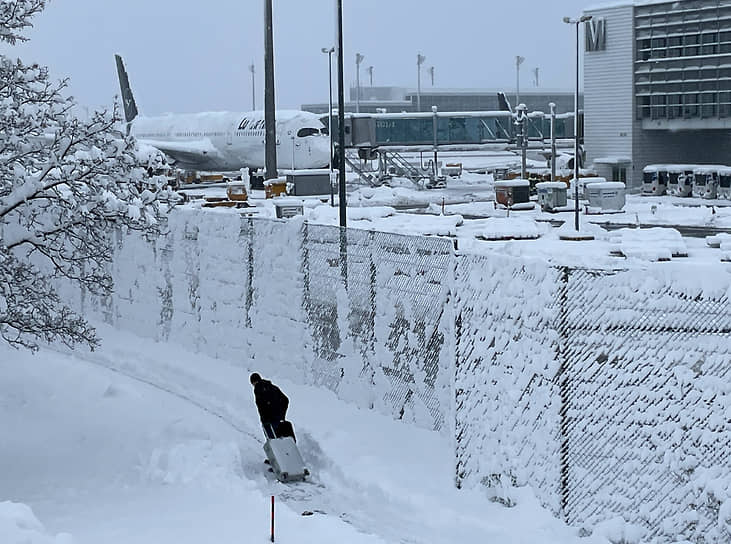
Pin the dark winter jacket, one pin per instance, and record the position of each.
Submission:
(270, 401)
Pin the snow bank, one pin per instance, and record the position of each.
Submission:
(19, 525)
(652, 244)
(196, 461)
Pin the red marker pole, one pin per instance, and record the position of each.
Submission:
(272, 518)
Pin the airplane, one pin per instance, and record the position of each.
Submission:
(227, 141)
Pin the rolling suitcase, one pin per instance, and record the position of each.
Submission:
(285, 459)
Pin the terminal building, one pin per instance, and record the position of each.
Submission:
(401, 99)
(657, 85)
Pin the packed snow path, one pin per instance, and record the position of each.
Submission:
(144, 442)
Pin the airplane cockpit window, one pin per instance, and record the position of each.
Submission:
(303, 132)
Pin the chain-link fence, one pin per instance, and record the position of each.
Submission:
(607, 391)
(613, 400)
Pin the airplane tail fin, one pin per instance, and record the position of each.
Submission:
(128, 100)
(503, 102)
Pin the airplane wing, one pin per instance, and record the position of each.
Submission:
(190, 152)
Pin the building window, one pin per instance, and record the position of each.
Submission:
(675, 109)
(690, 106)
(619, 173)
(708, 109)
(724, 104)
(658, 107)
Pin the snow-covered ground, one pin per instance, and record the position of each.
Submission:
(141, 442)
(466, 211)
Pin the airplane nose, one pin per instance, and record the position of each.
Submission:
(317, 153)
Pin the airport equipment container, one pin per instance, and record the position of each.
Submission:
(654, 179)
(286, 207)
(551, 195)
(309, 182)
(512, 191)
(606, 196)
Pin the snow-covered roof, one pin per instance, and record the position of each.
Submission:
(512, 183)
(708, 168)
(605, 185)
(550, 185)
(620, 159)
(679, 168)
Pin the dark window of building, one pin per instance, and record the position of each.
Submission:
(690, 105)
(659, 111)
(710, 44)
(675, 109)
(691, 45)
(708, 108)
(724, 106)
(619, 173)
(643, 107)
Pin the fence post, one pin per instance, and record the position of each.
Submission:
(344, 255)
(563, 384)
(250, 275)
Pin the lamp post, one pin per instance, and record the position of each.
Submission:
(341, 124)
(419, 61)
(358, 59)
(370, 75)
(575, 22)
(553, 140)
(329, 52)
(253, 88)
(518, 61)
(270, 121)
(431, 73)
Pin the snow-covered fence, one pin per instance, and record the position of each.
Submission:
(606, 391)
(647, 400)
(389, 335)
(272, 291)
(507, 400)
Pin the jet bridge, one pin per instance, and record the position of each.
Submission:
(384, 136)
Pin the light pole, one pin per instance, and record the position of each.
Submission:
(431, 73)
(575, 22)
(358, 59)
(270, 121)
(253, 88)
(341, 128)
(419, 61)
(329, 52)
(518, 61)
(370, 75)
(553, 140)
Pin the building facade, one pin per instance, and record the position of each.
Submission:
(657, 85)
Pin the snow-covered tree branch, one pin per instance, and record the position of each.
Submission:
(15, 16)
(65, 184)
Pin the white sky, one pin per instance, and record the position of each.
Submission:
(193, 56)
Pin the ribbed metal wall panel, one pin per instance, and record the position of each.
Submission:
(608, 89)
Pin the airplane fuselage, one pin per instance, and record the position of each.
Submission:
(228, 141)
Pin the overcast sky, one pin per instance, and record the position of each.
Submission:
(185, 56)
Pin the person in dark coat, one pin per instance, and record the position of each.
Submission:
(272, 405)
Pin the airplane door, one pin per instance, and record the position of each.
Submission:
(230, 135)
